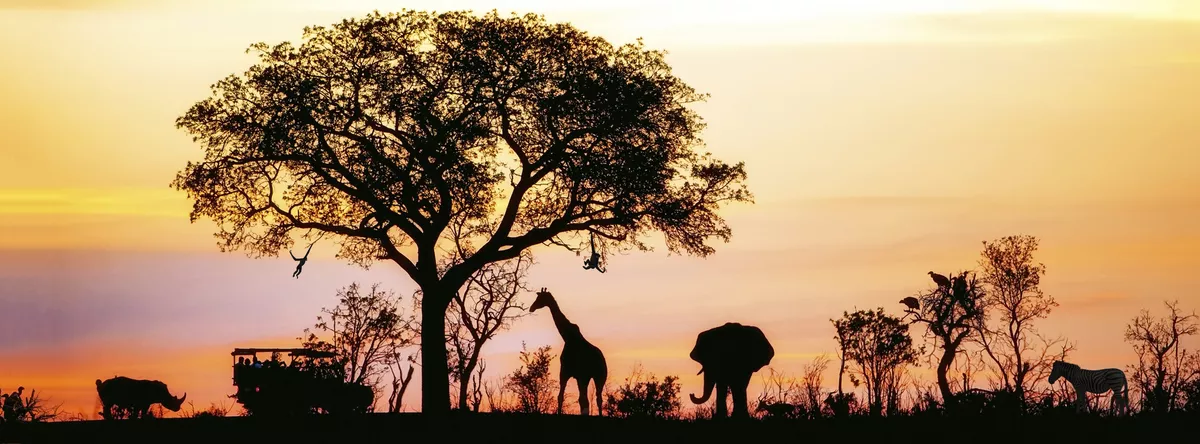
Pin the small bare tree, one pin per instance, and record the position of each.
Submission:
(400, 379)
(214, 410)
(811, 383)
(475, 392)
(1019, 354)
(780, 395)
(964, 371)
(498, 395)
(1164, 366)
(19, 407)
(487, 304)
(896, 386)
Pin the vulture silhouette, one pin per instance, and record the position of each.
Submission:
(911, 303)
(939, 279)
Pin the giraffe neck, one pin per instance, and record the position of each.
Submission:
(560, 320)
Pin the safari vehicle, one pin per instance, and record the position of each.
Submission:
(310, 382)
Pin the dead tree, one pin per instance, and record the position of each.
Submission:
(950, 314)
(487, 304)
(1164, 366)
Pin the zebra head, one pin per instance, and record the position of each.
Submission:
(1058, 370)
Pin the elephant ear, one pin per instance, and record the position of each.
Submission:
(702, 352)
(760, 349)
(714, 343)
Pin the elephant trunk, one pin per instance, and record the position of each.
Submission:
(709, 383)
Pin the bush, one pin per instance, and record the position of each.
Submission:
(648, 398)
(531, 383)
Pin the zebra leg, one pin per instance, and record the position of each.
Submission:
(1124, 398)
(1081, 400)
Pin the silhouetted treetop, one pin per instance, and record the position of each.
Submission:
(387, 130)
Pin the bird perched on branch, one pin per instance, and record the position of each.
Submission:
(960, 286)
(911, 303)
(940, 280)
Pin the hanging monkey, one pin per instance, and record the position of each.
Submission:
(302, 260)
(593, 262)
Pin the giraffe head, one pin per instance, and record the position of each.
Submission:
(544, 298)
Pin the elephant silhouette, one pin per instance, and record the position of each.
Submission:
(728, 356)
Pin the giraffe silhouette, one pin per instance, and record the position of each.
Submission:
(580, 359)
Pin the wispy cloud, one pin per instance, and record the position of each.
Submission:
(1042, 26)
(67, 5)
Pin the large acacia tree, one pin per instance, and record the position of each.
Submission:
(380, 132)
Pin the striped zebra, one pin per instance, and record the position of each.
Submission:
(1093, 381)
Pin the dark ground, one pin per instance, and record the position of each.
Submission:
(493, 428)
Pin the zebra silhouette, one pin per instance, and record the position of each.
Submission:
(1093, 381)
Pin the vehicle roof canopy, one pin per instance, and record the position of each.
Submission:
(297, 352)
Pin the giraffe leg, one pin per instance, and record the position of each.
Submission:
(562, 390)
(582, 383)
(599, 383)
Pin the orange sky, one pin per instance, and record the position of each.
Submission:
(882, 138)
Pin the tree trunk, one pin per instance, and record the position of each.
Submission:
(435, 371)
(948, 354)
(464, 382)
(841, 374)
(399, 386)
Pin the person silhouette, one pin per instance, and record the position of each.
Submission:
(302, 260)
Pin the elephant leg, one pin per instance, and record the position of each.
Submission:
(562, 390)
(582, 383)
(722, 393)
(738, 387)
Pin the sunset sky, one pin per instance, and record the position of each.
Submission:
(883, 139)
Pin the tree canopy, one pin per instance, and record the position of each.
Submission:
(385, 130)
(880, 345)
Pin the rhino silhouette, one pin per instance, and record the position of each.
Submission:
(135, 396)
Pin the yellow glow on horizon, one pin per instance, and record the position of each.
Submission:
(129, 201)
